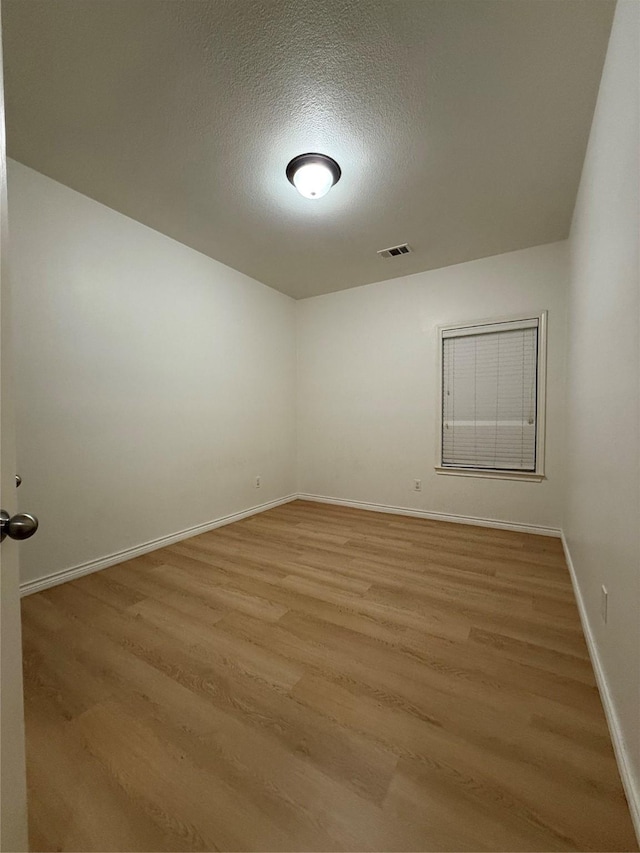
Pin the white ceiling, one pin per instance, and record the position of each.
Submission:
(460, 125)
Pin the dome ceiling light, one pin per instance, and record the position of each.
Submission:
(313, 175)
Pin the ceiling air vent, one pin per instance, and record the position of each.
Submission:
(395, 251)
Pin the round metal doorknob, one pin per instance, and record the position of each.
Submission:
(19, 526)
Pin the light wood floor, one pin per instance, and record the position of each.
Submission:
(320, 678)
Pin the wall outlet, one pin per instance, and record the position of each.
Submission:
(258, 481)
(417, 485)
(604, 603)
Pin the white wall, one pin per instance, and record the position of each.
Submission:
(602, 518)
(368, 386)
(153, 384)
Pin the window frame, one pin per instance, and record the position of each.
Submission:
(470, 328)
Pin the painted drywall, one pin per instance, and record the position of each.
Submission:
(460, 126)
(368, 391)
(602, 515)
(153, 384)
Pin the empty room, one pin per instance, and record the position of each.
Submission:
(320, 434)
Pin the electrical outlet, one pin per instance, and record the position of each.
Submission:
(417, 485)
(604, 603)
(258, 481)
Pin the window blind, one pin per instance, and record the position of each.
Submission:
(489, 398)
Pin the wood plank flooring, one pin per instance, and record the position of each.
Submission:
(320, 678)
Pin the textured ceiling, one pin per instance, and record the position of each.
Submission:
(460, 126)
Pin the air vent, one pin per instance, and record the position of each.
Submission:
(395, 251)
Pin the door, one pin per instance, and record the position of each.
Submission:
(13, 796)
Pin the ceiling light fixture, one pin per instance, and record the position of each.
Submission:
(313, 175)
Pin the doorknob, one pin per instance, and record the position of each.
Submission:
(20, 526)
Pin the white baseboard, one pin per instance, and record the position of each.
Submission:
(630, 783)
(122, 556)
(65, 575)
(437, 516)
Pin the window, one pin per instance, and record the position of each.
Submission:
(493, 386)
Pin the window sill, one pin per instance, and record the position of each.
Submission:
(528, 476)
